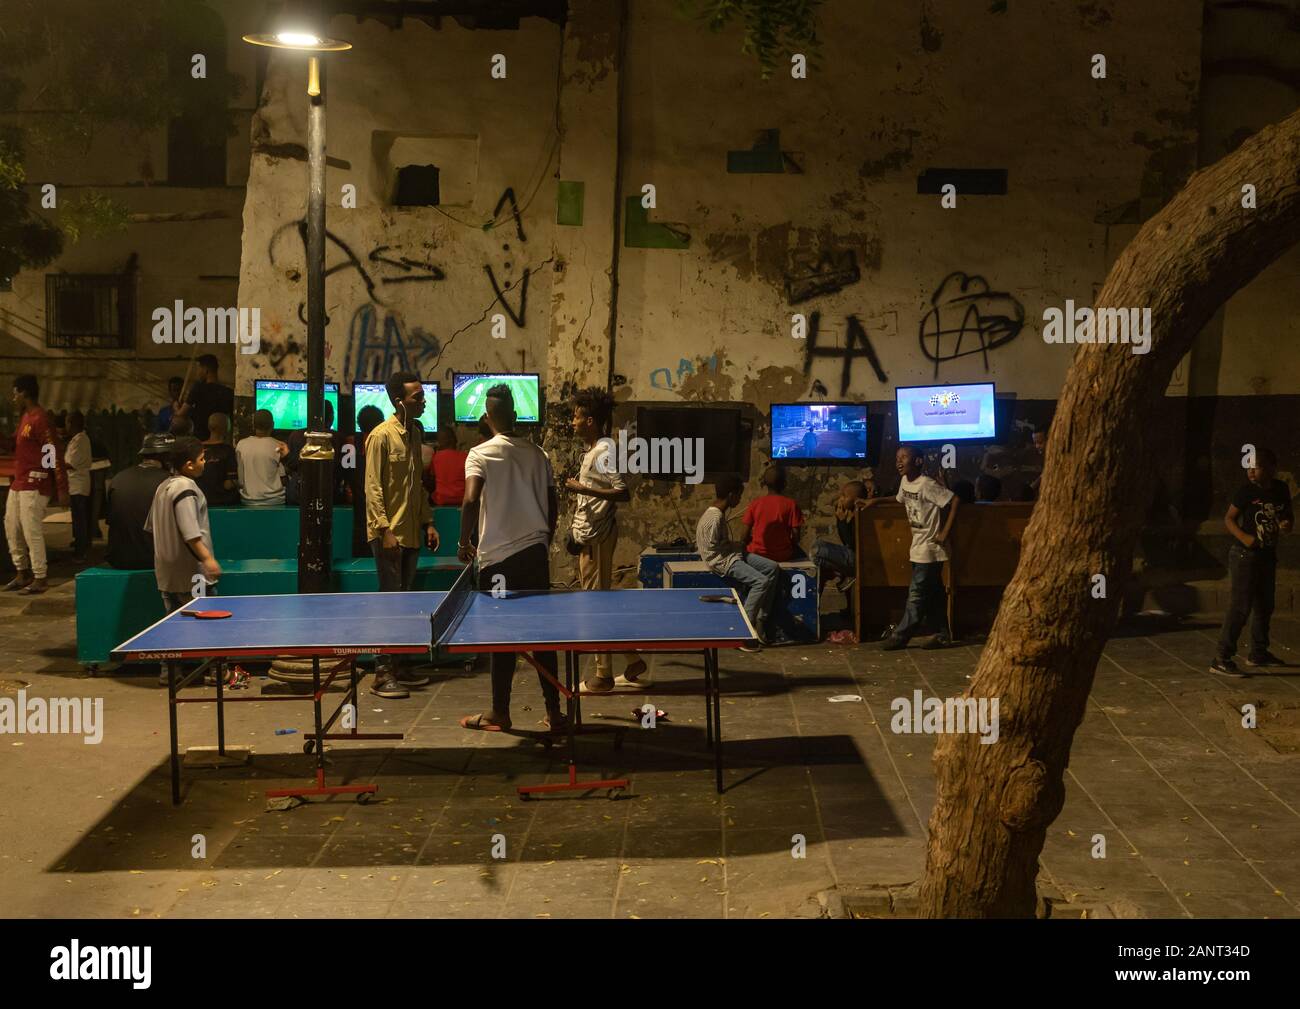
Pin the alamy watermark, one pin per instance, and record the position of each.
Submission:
(75, 962)
(72, 716)
(653, 456)
(179, 324)
(1102, 325)
(942, 715)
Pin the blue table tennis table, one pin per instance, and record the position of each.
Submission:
(333, 630)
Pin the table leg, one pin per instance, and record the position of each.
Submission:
(708, 702)
(221, 709)
(356, 703)
(712, 660)
(171, 714)
(320, 731)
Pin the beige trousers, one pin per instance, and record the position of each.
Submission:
(596, 571)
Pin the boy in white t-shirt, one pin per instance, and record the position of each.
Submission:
(510, 499)
(924, 498)
(260, 460)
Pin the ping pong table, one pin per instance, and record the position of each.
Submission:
(333, 630)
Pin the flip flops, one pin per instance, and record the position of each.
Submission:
(480, 722)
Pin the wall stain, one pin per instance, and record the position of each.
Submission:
(732, 248)
(708, 384)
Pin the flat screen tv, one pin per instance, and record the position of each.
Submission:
(939, 413)
(287, 402)
(374, 394)
(820, 433)
(469, 390)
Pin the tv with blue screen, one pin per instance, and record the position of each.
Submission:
(287, 402)
(469, 391)
(834, 433)
(375, 394)
(939, 413)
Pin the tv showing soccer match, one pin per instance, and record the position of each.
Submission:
(934, 413)
(287, 402)
(469, 390)
(820, 432)
(375, 394)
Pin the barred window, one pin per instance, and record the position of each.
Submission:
(89, 311)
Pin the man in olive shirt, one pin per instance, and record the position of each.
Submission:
(398, 516)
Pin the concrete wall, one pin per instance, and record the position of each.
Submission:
(409, 287)
(185, 240)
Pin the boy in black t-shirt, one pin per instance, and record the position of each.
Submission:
(1260, 510)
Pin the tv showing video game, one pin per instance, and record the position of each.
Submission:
(374, 394)
(469, 390)
(820, 432)
(287, 402)
(936, 413)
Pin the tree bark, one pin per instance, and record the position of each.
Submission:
(994, 802)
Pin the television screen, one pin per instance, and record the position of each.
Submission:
(470, 389)
(374, 394)
(287, 402)
(934, 413)
(669, 432)
(820, 432)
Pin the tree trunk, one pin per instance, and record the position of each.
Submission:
(994, 802)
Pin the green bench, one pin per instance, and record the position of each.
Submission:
(257, 549)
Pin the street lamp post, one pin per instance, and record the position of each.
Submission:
(316, 467)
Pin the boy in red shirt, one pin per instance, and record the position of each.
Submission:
(773, 521)
(447, 471)
(38, 468)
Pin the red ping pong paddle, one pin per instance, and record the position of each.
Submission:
(207, 614)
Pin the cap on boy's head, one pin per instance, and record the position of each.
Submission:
(774, 478)
(157, 445)
(263, 421)
(729, 486)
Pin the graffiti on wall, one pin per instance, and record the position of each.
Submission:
(857, 344)
(379, 345)
(662, 378)
(966, 317)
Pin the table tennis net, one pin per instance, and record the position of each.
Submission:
(458, 599)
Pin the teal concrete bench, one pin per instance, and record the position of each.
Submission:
(257, 549)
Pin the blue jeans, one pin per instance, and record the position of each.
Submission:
(926, 598)
(756, 578)
(836, 556)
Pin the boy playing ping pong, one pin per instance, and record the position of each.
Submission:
(510, 498)
(183, 561)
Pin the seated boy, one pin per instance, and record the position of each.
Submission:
(261, 475)
(773, 521)
(924, 498)
(839, 559)
(1260, 510)
(756, 577)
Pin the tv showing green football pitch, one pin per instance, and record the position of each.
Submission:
(470, 390)
(374, 394)
(287, 402)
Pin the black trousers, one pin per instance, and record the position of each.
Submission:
(1254, 573)
(530, 568)
(396, 570)
(80, 505)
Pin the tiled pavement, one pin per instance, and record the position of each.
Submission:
(1200, 816)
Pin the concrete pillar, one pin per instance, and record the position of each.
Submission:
(581, 293)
